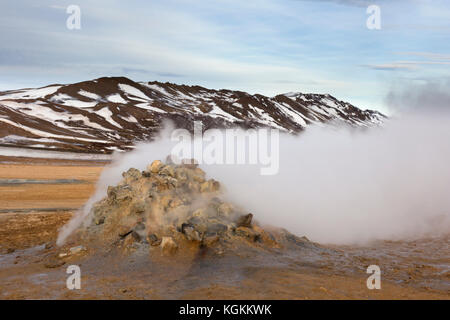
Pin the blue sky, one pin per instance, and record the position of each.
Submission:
(265, 46)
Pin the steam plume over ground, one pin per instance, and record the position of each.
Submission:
(336, 185)
(341, 186)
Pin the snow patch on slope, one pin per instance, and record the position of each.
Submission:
(132, 91)
(30, 93)
(107, 114)
(116, 98)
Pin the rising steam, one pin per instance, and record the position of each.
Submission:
(334, 185)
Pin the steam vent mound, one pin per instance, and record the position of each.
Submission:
(172, 208)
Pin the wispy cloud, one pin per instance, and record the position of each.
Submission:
(389, 66)
(428, 55)
(357, 3)
(264, 46)
(404, 65)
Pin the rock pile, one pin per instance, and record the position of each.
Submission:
(169, 206)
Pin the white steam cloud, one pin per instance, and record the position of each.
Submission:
(343, 186)
(334, 185)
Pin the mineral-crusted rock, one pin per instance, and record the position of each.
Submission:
(210, 186)
(248, 233)
(153, 240)
(245, 221)
(132, 174)
(155, 166)
(120, 193)
(77, 249)
(168, 246)
(225, 209)
(174, 207)
(210, 240)
(168, 170)
(189, 231)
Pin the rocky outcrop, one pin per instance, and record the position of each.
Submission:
(173, 207)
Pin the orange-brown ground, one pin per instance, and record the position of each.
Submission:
(26, 230)
(410, 270)
(45, 196)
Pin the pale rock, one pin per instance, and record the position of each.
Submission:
(155, 166)
(77, 249)
(168, 245)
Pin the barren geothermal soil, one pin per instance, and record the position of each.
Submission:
(38, 197)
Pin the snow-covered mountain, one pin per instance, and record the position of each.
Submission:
(110, 114)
